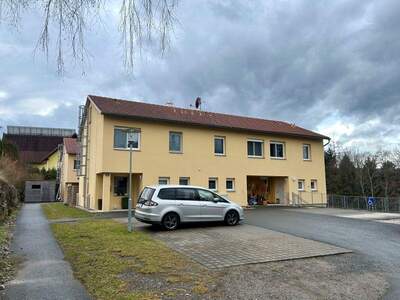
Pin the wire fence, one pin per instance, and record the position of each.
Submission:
(382, 204)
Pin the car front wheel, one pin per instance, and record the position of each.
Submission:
(170, 221)
(232, 218)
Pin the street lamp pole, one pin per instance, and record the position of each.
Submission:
(130, 142)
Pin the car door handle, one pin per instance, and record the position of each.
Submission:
(180, 204)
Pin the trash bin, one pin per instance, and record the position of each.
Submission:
(124, 202)
(100, 204)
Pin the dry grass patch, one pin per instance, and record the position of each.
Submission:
(115, 264)
(61, 211)
(8, 262)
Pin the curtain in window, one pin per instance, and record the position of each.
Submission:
(219, 146)
(119, 138)
(175, 141)
(135, 143)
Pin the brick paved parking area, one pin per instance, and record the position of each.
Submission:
(221, 246)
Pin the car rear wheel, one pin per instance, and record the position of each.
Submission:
(170, 221)
(231, 218)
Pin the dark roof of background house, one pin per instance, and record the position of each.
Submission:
(46, 157)
(71, 145)
(33, 148)
(142, 110)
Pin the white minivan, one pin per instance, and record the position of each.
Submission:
(170, 205)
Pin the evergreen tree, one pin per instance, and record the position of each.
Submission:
(347, 181)
(331, 171)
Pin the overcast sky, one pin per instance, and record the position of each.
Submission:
(329, 66)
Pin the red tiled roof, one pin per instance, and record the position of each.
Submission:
(33, 148)
(117, 107)
(71, 145)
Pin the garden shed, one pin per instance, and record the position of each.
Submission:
(40, 191)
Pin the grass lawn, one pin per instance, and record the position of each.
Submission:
(61, 211)
(115, 264)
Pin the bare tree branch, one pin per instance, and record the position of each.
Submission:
(67, 19)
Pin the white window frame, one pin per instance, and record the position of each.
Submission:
(262, 148)
(184, 178)
(127, 145)
(309, 151)
(283, 149)
(233, 184)
(181, 141)
(216, 183)
(223, 145)
(315, 188)
(303, 185)
(163, 178)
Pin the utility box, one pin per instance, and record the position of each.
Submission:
(37, 191)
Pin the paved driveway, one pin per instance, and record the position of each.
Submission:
(222, 246)
(43, 274)
(377, 242)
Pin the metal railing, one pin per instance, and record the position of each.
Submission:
(302, 198)
(382, 204)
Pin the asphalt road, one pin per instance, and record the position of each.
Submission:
(377, 243)
(43, 274)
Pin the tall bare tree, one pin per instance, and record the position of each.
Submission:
(359, 160)
(140, 20)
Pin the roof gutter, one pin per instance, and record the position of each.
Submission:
(219, 127)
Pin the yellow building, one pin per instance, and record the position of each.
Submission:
(50, 161)
(245, 159)
(68, 171)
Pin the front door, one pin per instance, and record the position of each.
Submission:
(280, 191)
(187, 202)
(211, 209)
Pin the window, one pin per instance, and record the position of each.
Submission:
(255, 148)
(314, 185)
(300, 185)
(205, 195)
(277, 150)
(306, 151)
(186, 194)
(219, 145)
(146, 195)
(120, 186)
(167, 194)
(76, 164)
(183, 180)
(230, 184)
(36, 186)
(121, 138)
(163, 180)
(213, 184)
(175, 142)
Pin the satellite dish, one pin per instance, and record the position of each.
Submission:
(198, 103)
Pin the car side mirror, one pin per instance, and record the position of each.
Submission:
(215, 200)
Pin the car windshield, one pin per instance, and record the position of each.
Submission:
(146, 194)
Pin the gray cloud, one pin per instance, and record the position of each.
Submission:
(328, 66)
